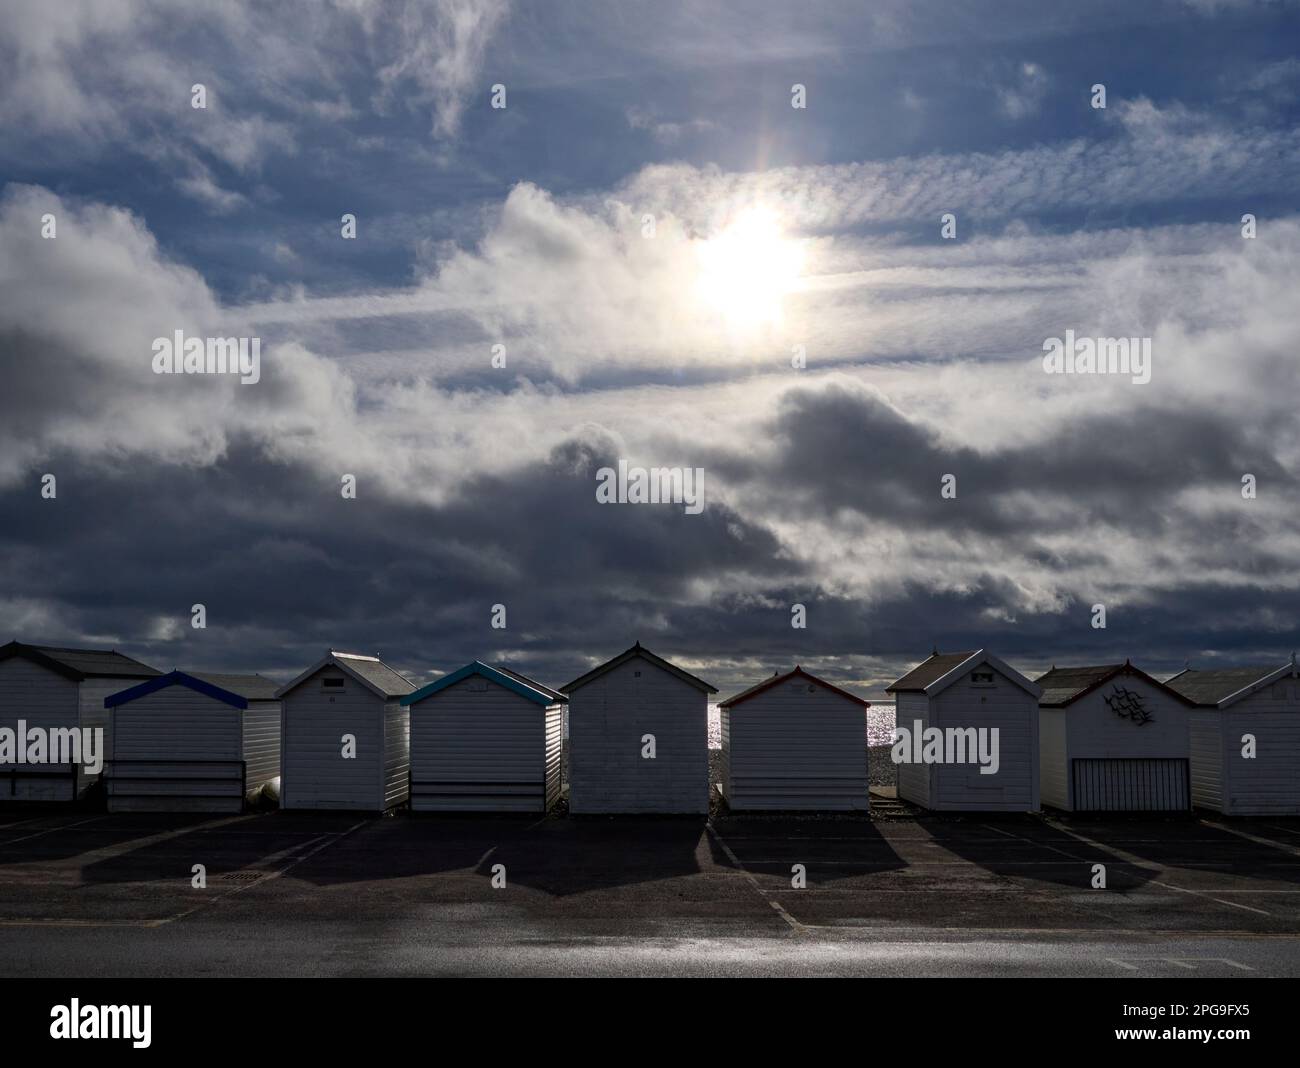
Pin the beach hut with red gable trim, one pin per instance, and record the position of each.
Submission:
(795, 742)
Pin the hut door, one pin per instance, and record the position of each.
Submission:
(1131, 785)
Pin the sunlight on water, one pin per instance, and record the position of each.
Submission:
(880, 725)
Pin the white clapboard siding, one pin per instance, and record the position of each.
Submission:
(261, 744)
(1013, 713)
(176, 749)
(1096, 733)
(90, 699)
(724, 737)
(41, 698)
(969, 696)
(476, 746)
(316, 774)
(397, 754)
(1053, 764)
(1205, 729)
(179, 750)
(609, 716)
(796, 745)
(913, 779)
(1269, 783)
(554, 753)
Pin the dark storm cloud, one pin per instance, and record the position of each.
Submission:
(840, 448)
(285, 566)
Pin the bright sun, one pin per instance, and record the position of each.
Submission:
(748, 268)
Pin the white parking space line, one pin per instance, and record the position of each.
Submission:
(132, 844)
(1141, 862)
(1188, 964)
(1293, 850)
(325, 840)
(1041, 845)
(23, 823)
(776, 905)
(1211, 897)
(50, 830)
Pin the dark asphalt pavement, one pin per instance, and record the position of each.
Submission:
(304, 894)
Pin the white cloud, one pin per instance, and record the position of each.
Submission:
(203, 187)
(80, 78)
(666, 133)
(443, 53)
(1024, 97)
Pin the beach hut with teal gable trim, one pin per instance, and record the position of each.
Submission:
(485, 739)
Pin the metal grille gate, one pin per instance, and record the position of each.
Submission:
(1131, 785)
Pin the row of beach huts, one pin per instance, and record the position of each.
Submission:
(352, 733)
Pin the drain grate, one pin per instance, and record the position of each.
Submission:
(242, 876)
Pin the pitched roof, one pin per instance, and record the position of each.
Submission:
(1220, 687)
(249, 687)
(644, 654)
(776, 680)
(79, 664)
(234, 690)
(1064, 686)
(555, 695)
(511, 680)
(928, 671)
(370, 671)
(941, 670)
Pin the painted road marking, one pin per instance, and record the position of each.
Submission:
(1043, 845)
(325, 840)
(23, 823)
(1186, 963)
(776, 905)
(50, 830)
(240, 886)
(1142, 862)
(1254, 838)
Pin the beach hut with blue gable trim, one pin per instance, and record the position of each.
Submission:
(191, 742)
(485, 739)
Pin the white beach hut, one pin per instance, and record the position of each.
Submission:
(638, 737)
(794, 741)
(345, 735)
(485, 739)
(1113, 739)
(1245, 738)
(190, 742)
(971, 735)
(53, 688)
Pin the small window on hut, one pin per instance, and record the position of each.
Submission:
(982, 677)
(331, 682)
(476, 685)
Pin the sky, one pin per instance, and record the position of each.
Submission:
(651, 236)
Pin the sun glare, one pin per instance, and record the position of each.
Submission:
(747, 270)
